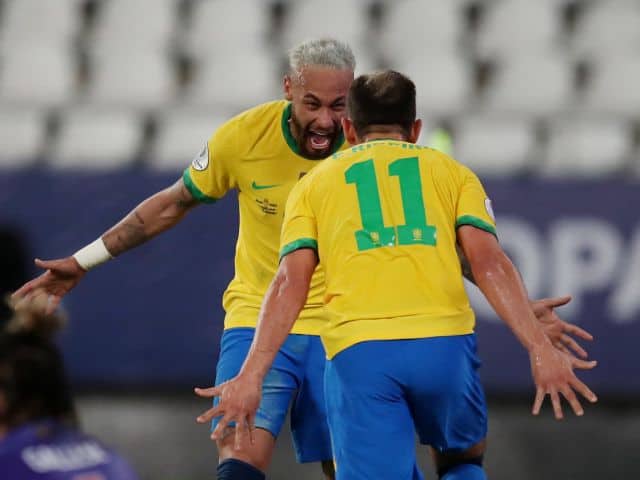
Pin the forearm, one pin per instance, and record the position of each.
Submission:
(280, 309)
(151, 217)
(501, 284)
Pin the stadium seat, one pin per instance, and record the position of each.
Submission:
(613, 87)
(494, 145)
(22, 133)
(92, 139)
(180, 136)
(580, 147)
(134, 25)
(443, 82)
(139, 80)
(236, 82)
(217, 25)
(530, 85)
(42, 76)
(34, 22)
(412, 27)
(608, 28)
(320, 18)
(513, 28)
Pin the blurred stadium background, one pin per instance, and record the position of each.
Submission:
(103, 102)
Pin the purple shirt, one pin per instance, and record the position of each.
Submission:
(49, 450)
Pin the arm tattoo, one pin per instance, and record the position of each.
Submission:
(128, 234)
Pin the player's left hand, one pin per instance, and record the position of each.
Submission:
(239, 402)
(559, 331)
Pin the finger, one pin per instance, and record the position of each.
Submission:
(573, 345)
(45, 264)
(583, 390)
(252, 427)
(576, 363)
(210, 414)
(577, 331)
(242, 428)
(24, 290)
(555, 402)
(555, 301)
(560, 346)
(52, 303)
(572, 399)
(208, 392)
(218, 432)
(537, 403)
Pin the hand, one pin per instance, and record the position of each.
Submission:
(239, 402)
(557, 329)
(553, 375)
(60, 277)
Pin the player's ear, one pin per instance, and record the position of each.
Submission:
(287, 88)
(349, 131)
(415, 131)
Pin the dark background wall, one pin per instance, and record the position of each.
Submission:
(145, 328)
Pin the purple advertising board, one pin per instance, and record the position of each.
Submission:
(154, 318)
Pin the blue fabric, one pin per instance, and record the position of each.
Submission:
(465, 471)
(49, 450)
(296, 376)
(233, 469)
(380, 392)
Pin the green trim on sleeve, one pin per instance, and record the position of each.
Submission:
(476, 222)
(297, 245)
(195, 191)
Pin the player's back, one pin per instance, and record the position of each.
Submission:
(49, 450)
(387, 213)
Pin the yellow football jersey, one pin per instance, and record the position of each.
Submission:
(383, 217)
(256, 154)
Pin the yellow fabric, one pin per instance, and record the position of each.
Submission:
(392, 291)
(250, 153)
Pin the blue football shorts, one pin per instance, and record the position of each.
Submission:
(379, 393)
(296, 378)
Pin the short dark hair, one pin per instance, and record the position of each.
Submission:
(32, 374)
(382, 98)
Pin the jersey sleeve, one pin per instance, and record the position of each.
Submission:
(210, 175)
(474, 207)
(299, 228)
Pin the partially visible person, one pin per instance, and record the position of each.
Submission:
(39, 434)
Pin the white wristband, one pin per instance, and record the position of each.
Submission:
(92, 255)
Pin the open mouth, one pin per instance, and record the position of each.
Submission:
(320, 141)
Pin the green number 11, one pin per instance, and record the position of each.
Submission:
(374, 234)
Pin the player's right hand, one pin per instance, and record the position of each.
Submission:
(58, 279)
(553, 375)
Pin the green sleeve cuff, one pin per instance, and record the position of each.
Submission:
(476, 222)
(297, 245)
(195, 191)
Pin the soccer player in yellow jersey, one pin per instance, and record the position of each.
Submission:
(383, 219)
(261, 154)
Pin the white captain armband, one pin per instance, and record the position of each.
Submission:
(92, 255)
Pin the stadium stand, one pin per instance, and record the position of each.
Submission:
(180, 136)
(22, 135)
(95, 139)
(534, 63)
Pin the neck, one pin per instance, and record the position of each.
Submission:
(384, 136)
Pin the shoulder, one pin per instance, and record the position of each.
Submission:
(247, 128)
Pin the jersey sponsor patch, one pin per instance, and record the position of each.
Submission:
(201, 162)
(489, 208)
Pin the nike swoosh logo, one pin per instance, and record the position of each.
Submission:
(255, 186)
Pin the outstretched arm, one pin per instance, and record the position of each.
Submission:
(151, 217)
(558, 331)
(240, 396)
(501, 284)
